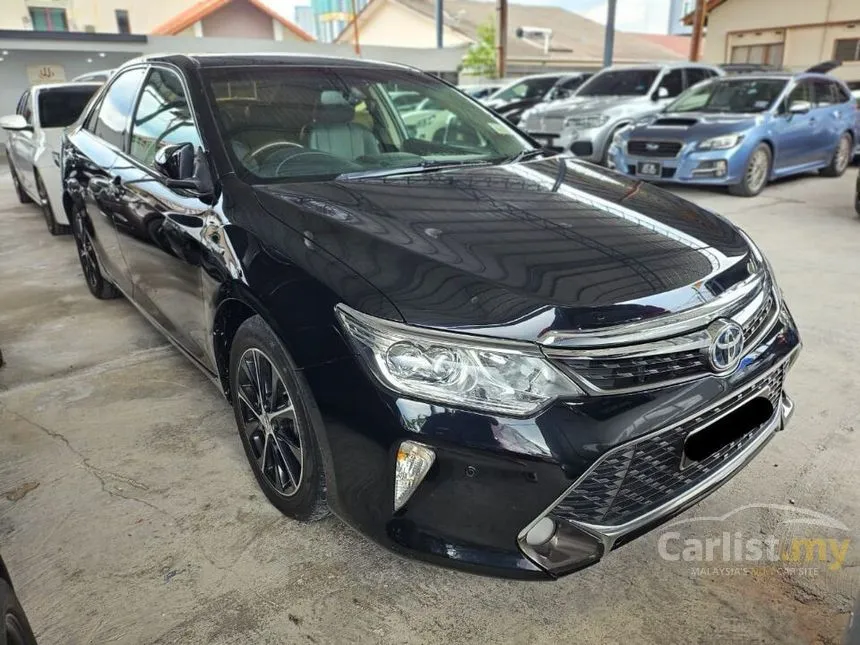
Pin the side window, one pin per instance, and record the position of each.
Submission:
(116, 105)
(840, 94)
(802, 93)
(697, 75)
(823, 93)
(673, 82)
(162, 118)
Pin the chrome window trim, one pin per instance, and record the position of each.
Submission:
(659, 327)
(608, 535)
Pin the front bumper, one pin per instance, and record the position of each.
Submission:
(494, 479)
(587, 144)
(690, 166)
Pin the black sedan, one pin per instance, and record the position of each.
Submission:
(512, 100)
(474, 352)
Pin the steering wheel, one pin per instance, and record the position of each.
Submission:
(271, 146)
(293, 155)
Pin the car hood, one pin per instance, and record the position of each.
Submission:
(581, 104)
(695, 125)
(518, 250)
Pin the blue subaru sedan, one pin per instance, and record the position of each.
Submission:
(743, 131)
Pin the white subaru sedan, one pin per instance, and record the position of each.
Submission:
(35, 132)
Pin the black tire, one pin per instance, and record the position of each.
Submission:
(14, 627)
(299, 493)
(23, 197)
(753, 181)
(96, 282)
(53, 226)
(841, 157)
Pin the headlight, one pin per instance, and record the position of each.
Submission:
(456, 369)
(586, 122)
(721, 143)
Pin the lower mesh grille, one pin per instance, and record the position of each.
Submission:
(634, 479)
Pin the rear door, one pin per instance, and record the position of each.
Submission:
(164, 233)
(95, 149)
(827, 116)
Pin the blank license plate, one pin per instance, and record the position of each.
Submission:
(648, 169)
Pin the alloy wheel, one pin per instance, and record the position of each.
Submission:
(843, 154)
(86, 253)
(757, 170)
(269, 422)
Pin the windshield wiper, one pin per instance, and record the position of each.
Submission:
(423, 166)
(530, 153)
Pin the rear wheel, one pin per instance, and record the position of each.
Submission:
(274, 408)
(23, 197)
(841, 157)
(756, 173)
(14, 627)
(53, 227)
(96, 282)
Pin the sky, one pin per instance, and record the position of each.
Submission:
(651, 16)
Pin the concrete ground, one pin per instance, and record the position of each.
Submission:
(128, 513)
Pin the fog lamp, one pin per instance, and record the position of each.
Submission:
(541, 533)
(412, 465)
(721, 168)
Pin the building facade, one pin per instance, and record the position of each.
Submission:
(794, 35)
(232, 19)
(332, 16)
(93, 16)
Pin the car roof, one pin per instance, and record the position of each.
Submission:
(264, 59)
(58, 86)
(786, 76)
(670, 65)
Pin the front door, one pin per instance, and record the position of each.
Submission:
(22, 145)
(793, 130)
(161, 229)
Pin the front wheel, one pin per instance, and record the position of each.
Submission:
(96, 282)
(841, 157)
(274, 411)
(14, 626)
(756, 173)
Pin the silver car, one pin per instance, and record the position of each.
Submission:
(585, 123)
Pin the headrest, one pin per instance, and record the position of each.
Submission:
(334, 108)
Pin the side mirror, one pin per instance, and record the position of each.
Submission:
(15, 123)
(176, 161)
(661, 93)
(799, 107)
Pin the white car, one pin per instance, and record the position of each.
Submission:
(35, 132)
(427, 120)
(101, 76)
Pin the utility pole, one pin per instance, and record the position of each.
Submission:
(609, 35)
(501, 37)
(355, 41)
(440, 23)
(698, 30)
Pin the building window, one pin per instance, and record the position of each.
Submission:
(770, 54)
(847, 49)
(48, 19)
(122, 24)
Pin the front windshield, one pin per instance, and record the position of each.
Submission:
(302, 124)
(620, 82)
(730, 95)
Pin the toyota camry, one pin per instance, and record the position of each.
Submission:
(474, 351)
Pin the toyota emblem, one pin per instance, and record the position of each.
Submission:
(727, 343)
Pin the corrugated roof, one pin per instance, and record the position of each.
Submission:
(574, 37)
(678, 44)
(199, 11)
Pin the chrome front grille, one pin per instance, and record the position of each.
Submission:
(639, 477)
(664, 362)
(662, 149)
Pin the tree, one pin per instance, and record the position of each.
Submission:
(480, 59)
